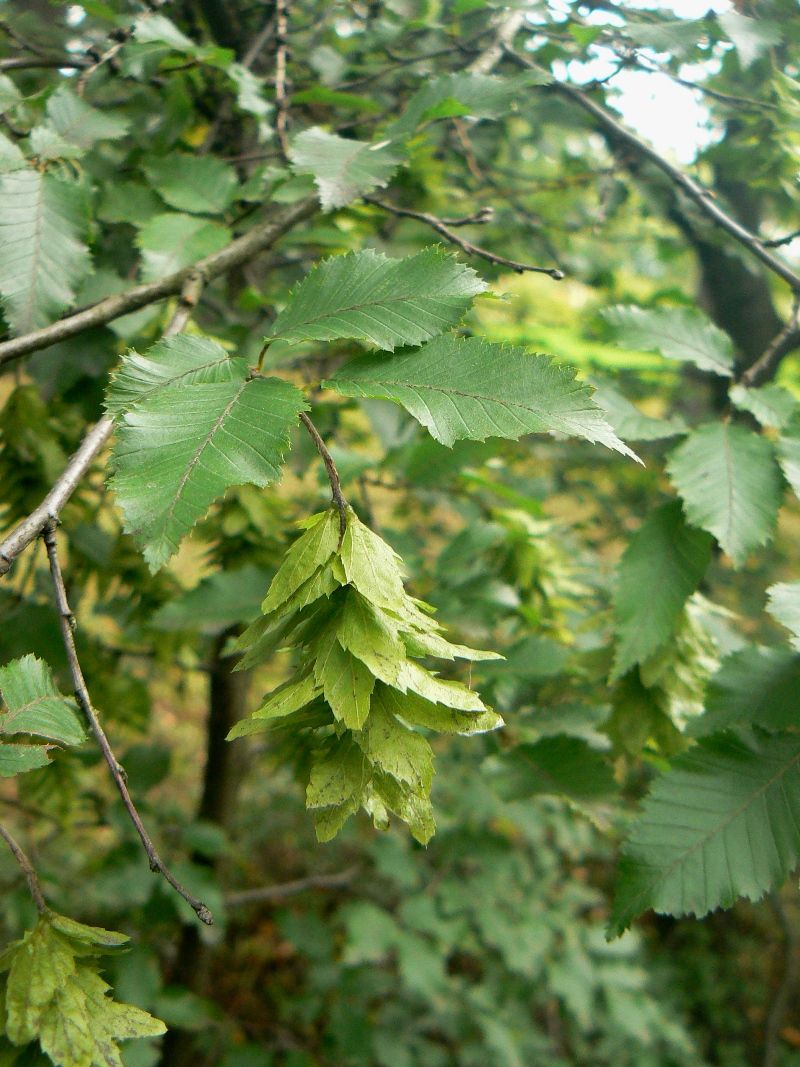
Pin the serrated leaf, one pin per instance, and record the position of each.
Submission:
(365, 633)
(482, 95)
(789, 455)
(338, 776)
(79, 123)
(425, 643)
(751, 37)
(183, 358)
(201, 185)
(416, 710)
(283, 701)
(343, 169)
(308, 553)
(17, 759)
(95, 937)
(784, 605)
(34, 704)
(473, 389)
(395, 750)
(371, 566)
(662, 566)
(561, 765)
(347, 685)
(388, 302)
(631, 424)
(772, 405)
(11, 157)
(684, 334)
(753, 687)
(41, 963)
(42, 256)
(171, 242)
(411, 676)
(722, 823)
(180, 449)
(415, 810)
(730, 485)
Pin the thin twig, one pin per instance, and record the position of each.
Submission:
(239, 251)
(702, 197)
(269, 893)
(333, 475)
(261, 38)
(27, 869)
(43, 63)
(784, 341)
(67, 624)
(91, 446)
(778, 242)
(119, 37)
(281, 56)
(467, 247)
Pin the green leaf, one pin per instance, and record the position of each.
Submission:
(371, 566)
(34, 704)
(772, 405)
(789, 455)
(722, 823)
(201, 185)
(180, 449)
(343, 169)
(472, 389)
(631, 424)
(364, 632)
(395, 750)
(560, 765)
(17, 759)
(308, 553)
(411, 676)
(753, 687)
(347, 685)
(730, 485)
(481, 95)
(42, 257)
(751, 37)
(784, 605)
(420, 712)
(285, 700)
(220, 601)
(388, 302)
(171, 242)
(684, 334)
(662, 566)
(79, 123)
(181, 359)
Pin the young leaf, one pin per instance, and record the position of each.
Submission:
(677, 333)
(343, 169)
(388, 302)
(304, 558)
(560, 765)
(181, 359)
(722, 823)
(730, 485)
(473, 389)
(181, 448)
(659, 570)
(784, 605)
(42, 256)
(201, 185)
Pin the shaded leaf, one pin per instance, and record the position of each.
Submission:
(562, 765)
(684, 334)
(784, 605)
(201, 185)
(753, 687)
(343, 169)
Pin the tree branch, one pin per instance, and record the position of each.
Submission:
(281, 56)
(764, 368)
(702, 197)
(269, 893)
(91, 446)
(333, 475)
(785, 994)
(237, 252)
(67, 624)
(440, 226)
(27, 869)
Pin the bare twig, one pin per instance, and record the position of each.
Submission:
(232, 255)
(269, 893)
(281, 56)
(91, 446)
(43, 62)
(67, 623)
(261, 38)
(784, 341)
(467, 247)
(333, 475)
(27, 869)
(778, 242)
(702, 197)
(118, 38)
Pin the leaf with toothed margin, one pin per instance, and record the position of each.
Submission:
(343, 169)
(179, 450)
(472, 389)
(388, 302)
